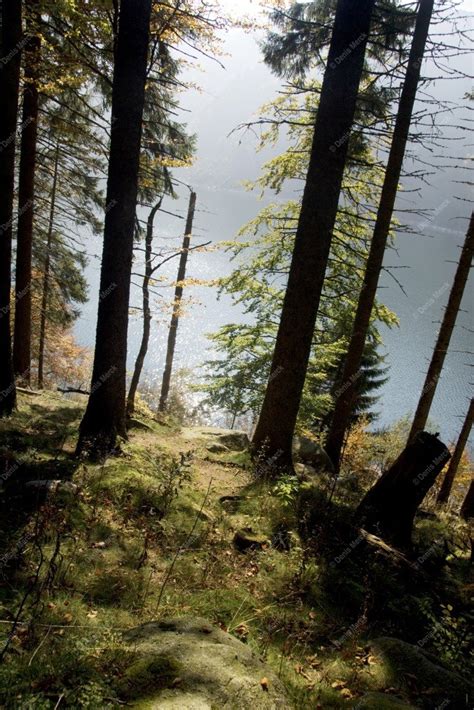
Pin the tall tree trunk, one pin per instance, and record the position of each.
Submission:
(334, 119)
(9, 87)
(146, 311)
(26, 190)
(178, 294)
(104, 418)
(46, 273)
(446, 486)
(467, 508)
(345, 401)
(390, 506)
(445, 332)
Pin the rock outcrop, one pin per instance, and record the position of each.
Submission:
(189, 664)
(217, 439)
(410, 668)
(310, 452)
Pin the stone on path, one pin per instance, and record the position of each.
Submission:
(232, 439)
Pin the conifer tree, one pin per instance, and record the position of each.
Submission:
(26, 196)
(333, 124)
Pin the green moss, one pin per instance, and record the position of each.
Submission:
(241, 459)
(147, 675)
(381, 701)
(115, 586)
(116, 552)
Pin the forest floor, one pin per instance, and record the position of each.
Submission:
(145, 536)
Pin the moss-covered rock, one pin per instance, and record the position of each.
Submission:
(188, 664)
(217, 448)
(232, 439)
(310, 452)
(147, 675)
(382, 701)
(408, 667)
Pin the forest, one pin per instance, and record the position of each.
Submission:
(235, 469)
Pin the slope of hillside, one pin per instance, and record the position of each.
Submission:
(150, 534)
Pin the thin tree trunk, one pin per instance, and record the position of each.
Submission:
(104, 418)
(178, 294)
(334, 119)
(146, 311)
(345, 402)
(9, 87)
(467, 508)
(46, 274)
(446, 486)
(445, 332)
(26, 190)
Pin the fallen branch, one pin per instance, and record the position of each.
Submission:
(76, 390)
(388, 550)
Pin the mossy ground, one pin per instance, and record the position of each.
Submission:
(145, 537)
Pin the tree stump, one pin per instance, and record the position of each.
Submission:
(389, 507)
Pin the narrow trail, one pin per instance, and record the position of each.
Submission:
(223, 477)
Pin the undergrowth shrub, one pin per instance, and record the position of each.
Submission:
(450, 634)
(68, 668)
(149, 490)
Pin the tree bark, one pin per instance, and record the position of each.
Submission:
(11, 45)
(104, 418)
(345, 402)
(389, 507)
(445, 332)
(26, 194)
(467, 508)
(46, 274)
(446, 486)
(334, 119)
(146, 311)
(178, 294)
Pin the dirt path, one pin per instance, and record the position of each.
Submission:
(224, 478)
